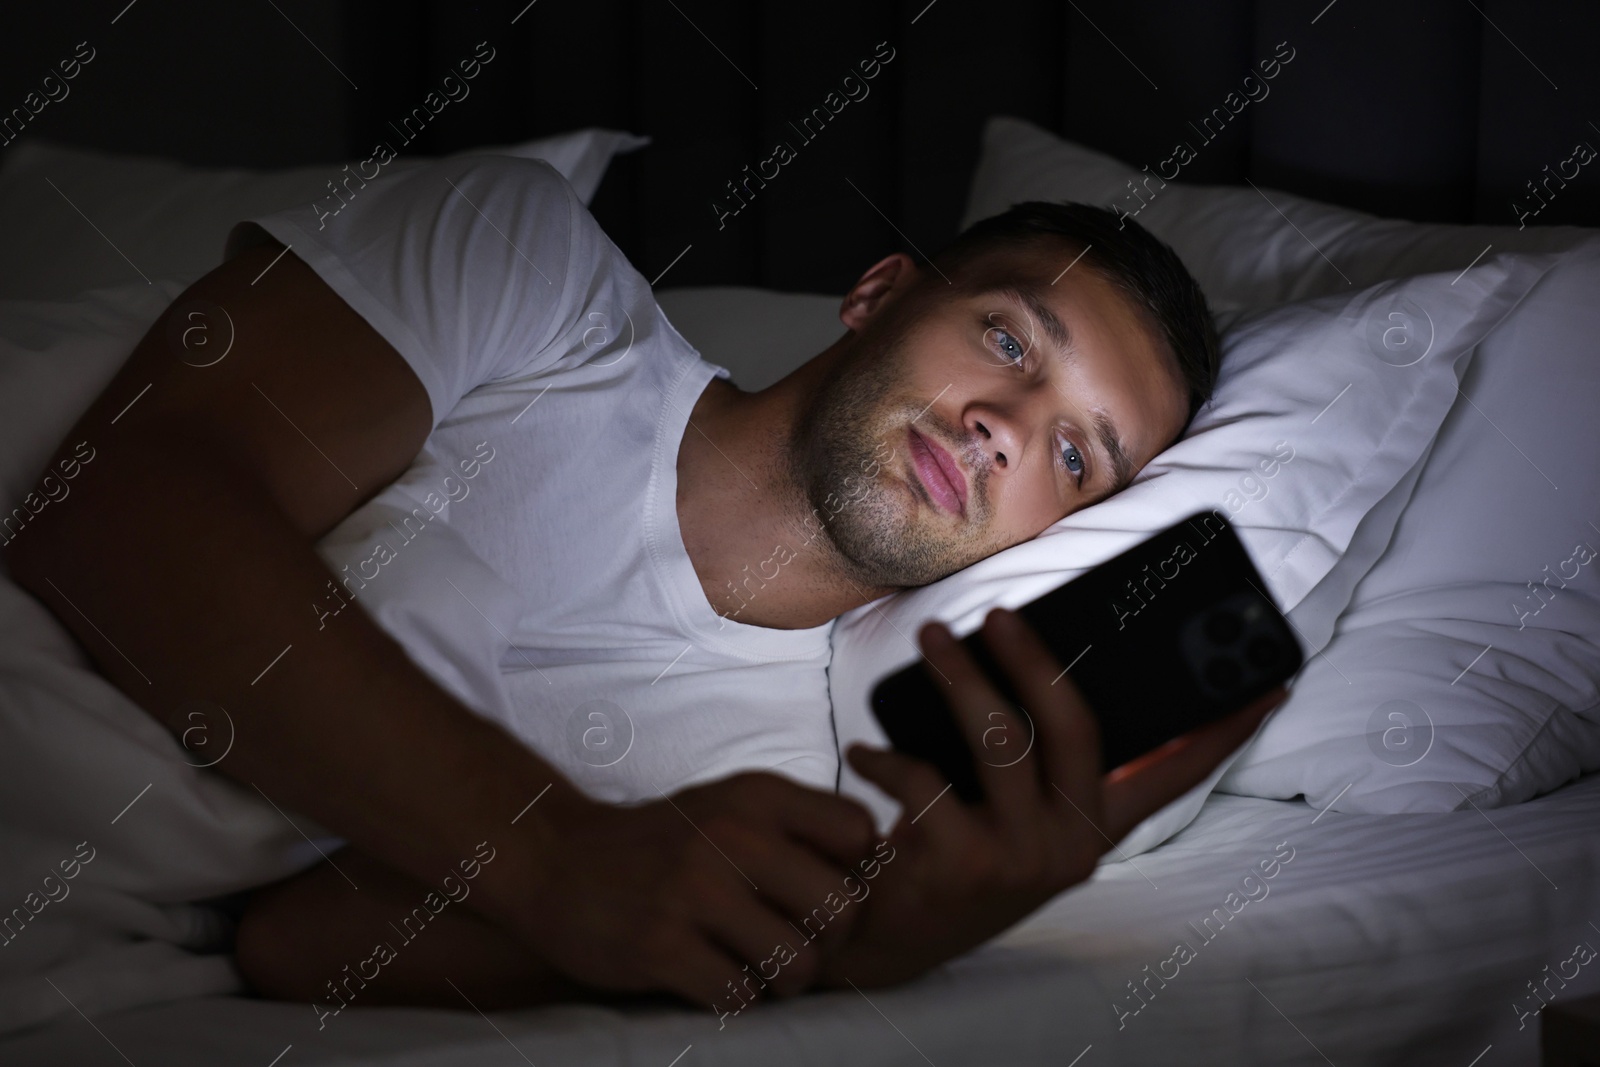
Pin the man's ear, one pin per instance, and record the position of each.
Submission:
(891, 274)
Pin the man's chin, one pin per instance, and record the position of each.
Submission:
(914, 551)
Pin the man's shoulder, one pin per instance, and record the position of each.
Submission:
(523, 195)
(514, 184)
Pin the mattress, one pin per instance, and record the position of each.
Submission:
(1313, 937)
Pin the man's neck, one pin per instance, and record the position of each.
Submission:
(746, 524)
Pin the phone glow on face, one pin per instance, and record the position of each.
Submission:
(1012, 345)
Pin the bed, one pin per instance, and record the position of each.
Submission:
(1324, 917)
(1395, 939)
(1313, 934)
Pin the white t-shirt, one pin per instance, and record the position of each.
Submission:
(560, 395)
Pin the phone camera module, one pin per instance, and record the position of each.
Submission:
(1232, 645)
(1223, 628)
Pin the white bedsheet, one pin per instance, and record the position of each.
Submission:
(1403, 939)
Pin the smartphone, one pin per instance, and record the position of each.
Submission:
(1172, 634)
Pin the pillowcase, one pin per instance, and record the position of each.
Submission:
(1233, 239)
(1467, 666)
(1322, 409)
(171, 220)
(759, 335)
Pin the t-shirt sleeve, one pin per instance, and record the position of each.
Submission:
(465, 266)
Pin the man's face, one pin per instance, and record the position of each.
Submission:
(964, 420)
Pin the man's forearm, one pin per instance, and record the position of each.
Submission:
(185, 582)
(396, 942)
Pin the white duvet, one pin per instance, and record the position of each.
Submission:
(1408, 940)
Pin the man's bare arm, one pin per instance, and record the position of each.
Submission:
(184, 563)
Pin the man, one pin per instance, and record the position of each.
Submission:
(973, 402)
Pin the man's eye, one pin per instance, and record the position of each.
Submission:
(1073, 458)
(1007, 344)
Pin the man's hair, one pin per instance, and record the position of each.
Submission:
(1128, 256)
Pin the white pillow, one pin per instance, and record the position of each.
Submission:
(1309, 249)
(759, 335)
(171, 220)
(1436, 689)
(1322, 409)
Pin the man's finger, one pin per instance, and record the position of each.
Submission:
(1144, 785)
(838, 827)
(926, 799)
(758, 936)
(700, 972)
(993, 729)
(801, 884)
(1068, 736)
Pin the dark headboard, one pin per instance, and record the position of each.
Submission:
(1438, 110)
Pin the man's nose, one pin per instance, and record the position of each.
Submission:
(999, 435)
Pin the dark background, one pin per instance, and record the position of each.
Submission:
(1436, 110)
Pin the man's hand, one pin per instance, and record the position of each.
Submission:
(961, 874)
(682, 893)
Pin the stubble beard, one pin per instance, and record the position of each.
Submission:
(855, 428)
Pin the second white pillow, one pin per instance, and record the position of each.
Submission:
(1248, 248)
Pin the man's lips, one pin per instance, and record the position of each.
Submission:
(941, 475)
